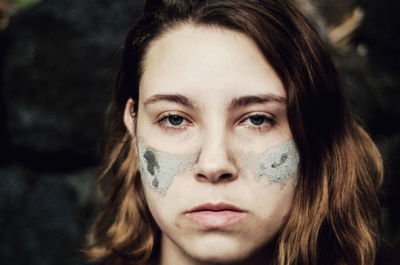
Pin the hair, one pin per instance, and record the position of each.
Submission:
(335, 210)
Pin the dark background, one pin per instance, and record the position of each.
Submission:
(58, 60)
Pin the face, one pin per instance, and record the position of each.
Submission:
(213, 139)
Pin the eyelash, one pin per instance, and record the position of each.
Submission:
(165, 118)
(267, 122)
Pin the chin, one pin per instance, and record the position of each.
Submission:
(218, 257)
(219, 249)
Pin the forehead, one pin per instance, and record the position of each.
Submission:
(194, 60)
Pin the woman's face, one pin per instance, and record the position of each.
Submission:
(211, 130)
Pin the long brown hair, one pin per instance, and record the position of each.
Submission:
(335, 209)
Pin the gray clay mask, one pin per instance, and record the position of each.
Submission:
(278, 163)
(159, 169)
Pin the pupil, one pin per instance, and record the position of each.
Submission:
(257, 120)
(175, 120)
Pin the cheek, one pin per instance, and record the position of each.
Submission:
(277, 164)
(166, 208)
(272, 179)
(158, 169)
(157, 205)
(272, 205)
(278, 200)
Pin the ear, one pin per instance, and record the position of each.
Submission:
(130, 117)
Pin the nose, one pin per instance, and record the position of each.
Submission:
(215, 163)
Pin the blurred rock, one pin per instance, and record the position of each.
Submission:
(43, 216)
(14, 185)
(58, 70)
(5, 8)
(332, 11)
(378, 35)
(379, 32)
(390, 148)
(370, 70)
(48, 226)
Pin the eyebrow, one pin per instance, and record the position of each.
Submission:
(175, 98)
(238, 102)
(245, 101)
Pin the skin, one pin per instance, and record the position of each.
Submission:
(159, 169)
(219, 87)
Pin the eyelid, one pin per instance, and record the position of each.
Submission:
(270, 118)
(164, 116)
(256, 113)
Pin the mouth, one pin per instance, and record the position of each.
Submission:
(216, 215)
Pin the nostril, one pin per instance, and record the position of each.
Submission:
(225, 177)
(201, 178)
(216, 178)
(215, 164)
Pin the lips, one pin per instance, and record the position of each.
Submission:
(216, 215)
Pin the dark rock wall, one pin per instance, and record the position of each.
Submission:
(57, 72)
(58, 60)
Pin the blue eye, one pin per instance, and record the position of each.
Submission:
(258, 120)
(175, 120)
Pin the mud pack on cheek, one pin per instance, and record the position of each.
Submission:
(159, 169)
(278, 163)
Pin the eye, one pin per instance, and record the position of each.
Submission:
(258, 121)
(173, 121)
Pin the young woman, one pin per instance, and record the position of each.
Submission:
(232, 144)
